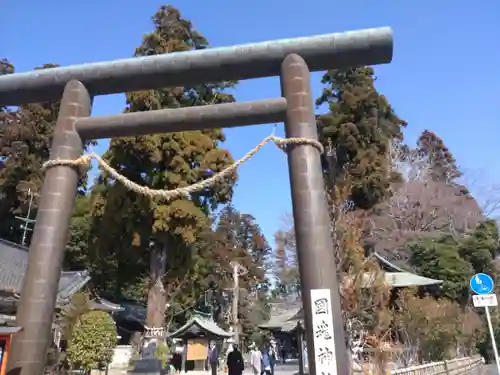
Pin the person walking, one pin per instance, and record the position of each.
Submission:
(235, 364)
(266, 362)
(272, 357)
(283, 353)
(305, 359)
(256, 360)
(213, 358)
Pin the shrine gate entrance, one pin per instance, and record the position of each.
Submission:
(292, 60)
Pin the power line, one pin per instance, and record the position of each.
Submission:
(27, 222)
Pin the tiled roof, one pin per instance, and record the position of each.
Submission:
(204, 323)
(286, 319)
(407, 279)
(105, 305)
(386, 265)
(10, 330)
(13, 263)
(399, 279)
(130, 311)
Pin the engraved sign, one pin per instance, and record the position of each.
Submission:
(322, 322)
(321, 306)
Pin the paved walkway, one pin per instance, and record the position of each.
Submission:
(290, 369)
(280, 369)
(489, 370)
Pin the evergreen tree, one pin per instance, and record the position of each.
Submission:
(26, 139)
(439, 259)
(443, 165)
(76, 256)
(356, 133)
(5, 68)
(128, 224)
(238, 238)
(9, 122)
(117, 259)
(481, 247)
(455, 259)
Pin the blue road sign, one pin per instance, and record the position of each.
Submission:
(481, 283)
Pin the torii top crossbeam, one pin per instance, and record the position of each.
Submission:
(322, 52)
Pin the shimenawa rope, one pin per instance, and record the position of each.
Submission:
(85, 160)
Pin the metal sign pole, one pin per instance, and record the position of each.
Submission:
(492, 335)
(484, 287)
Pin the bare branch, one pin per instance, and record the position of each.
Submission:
(485, 191)
(419, 206)
(410, 164)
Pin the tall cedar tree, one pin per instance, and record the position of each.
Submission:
(132, 224)
(26, 137)
(238, 237)
(443, 165)
(356, 133)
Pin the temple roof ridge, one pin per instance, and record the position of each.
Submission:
(203, 324)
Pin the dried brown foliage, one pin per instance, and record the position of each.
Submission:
(364, 293)
(436, 329)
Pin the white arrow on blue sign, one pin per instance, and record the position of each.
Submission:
(482, 283)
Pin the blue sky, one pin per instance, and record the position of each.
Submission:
(443, 76)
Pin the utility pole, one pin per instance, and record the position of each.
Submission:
(26, 220)
(238, 270)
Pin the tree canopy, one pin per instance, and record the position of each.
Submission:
(443, 165)
(356, 132)
(237, 238)
(93, 340)
(166, 230)
(175, 255)
(26, 137)
(454, 260)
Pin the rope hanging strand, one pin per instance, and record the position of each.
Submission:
(85, 160)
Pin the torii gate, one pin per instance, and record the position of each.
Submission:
(292, 60)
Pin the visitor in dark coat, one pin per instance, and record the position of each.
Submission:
(272, 358)
(235, 364)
